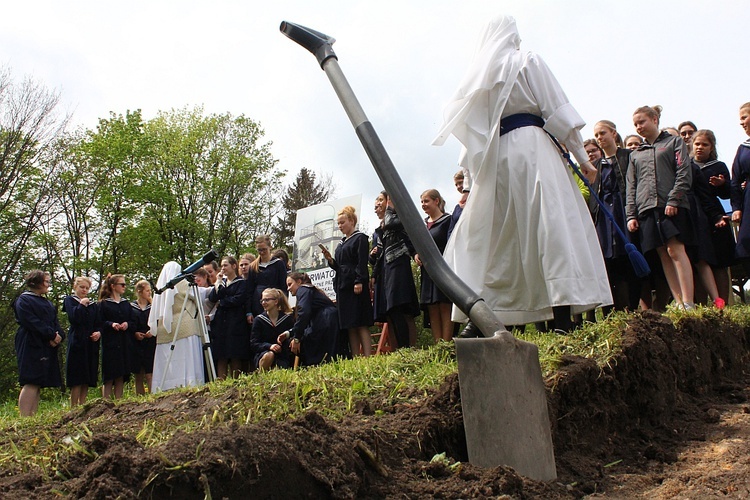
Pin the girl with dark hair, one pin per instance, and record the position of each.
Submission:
(399, 293)
(431, 298)
(230, 334)
(633, 142)
(82, 364)
(38, 336)
(716, 243)
(314, 335)
(117, 324)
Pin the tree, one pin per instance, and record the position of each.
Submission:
(304, 192)
(29, 125)
(209, 181)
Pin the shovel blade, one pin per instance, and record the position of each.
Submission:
(504, 405)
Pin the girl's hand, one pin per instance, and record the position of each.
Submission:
(357, 288)
(722, 222)
(95, 336)
(85, 301)
(588, 171)
(737, 216)
(275, 348)
(417, 260)
(124, 325)
(282, 337)
(633, 225)
(670, 211)
(56, 341)
(326, 254)
(294, 346)
(717, 180)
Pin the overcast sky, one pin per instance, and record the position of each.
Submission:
(404, 59)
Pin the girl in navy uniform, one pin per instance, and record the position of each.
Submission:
(230, 342)
(431, 298)
(275, 319)
(265, 271)
(740, 199)
(314, 335)
(144, 342)
(117, 324)
(38, 336)
(716, 241)
(82, 364)
(352, 282)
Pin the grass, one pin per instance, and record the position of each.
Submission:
(333, 390)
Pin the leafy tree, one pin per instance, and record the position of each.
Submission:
(304, 192)
(29, 125)
(209, 180)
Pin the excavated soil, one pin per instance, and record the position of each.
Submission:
(668, 418)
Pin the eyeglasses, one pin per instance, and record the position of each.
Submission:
(267, 300)
(120, 284)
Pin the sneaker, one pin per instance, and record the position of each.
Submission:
(719, 303)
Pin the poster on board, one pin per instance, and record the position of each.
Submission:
(316, 225)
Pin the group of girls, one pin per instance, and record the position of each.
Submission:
(121, 326)
(390, 295)
(664, 186)
(113, 324)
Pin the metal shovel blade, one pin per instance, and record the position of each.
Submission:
(505, 405)
(502, 392)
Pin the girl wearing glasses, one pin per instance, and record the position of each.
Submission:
(275, 319)
(117, 324)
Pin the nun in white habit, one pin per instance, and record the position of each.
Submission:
(525, 241)
(186, 367)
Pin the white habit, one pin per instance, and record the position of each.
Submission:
(186, 367)
(525, 241)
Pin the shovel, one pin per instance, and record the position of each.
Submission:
(502, 392)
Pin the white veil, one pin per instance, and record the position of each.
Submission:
(161, 307)
(496, 61)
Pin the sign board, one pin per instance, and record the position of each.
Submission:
(316, 225)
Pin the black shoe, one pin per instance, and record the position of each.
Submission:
(470, 331)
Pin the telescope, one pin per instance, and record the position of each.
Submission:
(210, 256)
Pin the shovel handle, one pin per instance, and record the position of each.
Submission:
(457, 291)
(316, 42)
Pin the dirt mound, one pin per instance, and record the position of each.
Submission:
(616, 429)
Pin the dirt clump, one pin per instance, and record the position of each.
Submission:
(668, 417)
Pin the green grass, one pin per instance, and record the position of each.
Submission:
(333, 390)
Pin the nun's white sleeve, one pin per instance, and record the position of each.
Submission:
(561, 119)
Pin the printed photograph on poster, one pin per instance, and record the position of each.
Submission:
(316, 225)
